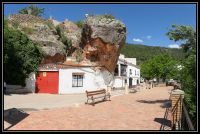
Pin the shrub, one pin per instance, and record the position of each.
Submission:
(27, 30)
(67, 42)
(21, 56)
(79, 23)
(50, 25)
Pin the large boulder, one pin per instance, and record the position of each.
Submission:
(102, 39)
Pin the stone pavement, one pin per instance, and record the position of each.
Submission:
(35, 102)
(142, 110)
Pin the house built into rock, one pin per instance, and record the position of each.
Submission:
(73, 77)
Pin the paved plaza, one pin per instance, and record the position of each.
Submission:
(142, 110)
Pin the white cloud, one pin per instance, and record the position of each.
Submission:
(137, 40)
(174, 46)
(149, 37)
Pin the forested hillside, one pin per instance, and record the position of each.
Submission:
(143, 53)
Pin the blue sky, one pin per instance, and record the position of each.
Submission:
(146, 23)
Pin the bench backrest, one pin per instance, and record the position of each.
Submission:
(91, 93)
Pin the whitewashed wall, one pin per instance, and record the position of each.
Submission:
(30, 82)
(92, 80)
(119, 82)
(135, 77)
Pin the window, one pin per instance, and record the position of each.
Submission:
(135, 72)
(77, 80)
(130, 72)
(123, 69)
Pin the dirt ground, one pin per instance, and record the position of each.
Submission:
(143, 110)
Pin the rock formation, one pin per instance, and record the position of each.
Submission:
(39, 30)
(102, 39)
(97, 43)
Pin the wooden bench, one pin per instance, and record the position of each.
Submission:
(92, 95)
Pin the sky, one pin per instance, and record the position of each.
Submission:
(145, 23)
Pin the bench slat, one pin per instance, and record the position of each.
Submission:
(92, 94)
(95, 91)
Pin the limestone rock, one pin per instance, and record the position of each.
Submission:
(97, 43)
(102, 39)
(72, 32)
(39, 30)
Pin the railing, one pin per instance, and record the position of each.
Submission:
(186, 121)
(180, 117)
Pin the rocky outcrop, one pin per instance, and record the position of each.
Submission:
(98, 43)
(102, 39)
(42, 32)
(72, 32)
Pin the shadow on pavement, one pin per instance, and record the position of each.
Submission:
(99, 101)
(163, 121)
(166, 104)
(152, 102)
(13, 116)
(166, 121)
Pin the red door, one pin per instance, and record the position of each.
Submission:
(47, 82)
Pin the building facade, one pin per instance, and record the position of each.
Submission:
(76, 78)
(65, 79)
(126, 71)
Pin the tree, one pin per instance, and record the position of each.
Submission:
(63, 38)
(188, 73)
(185, 34)
(33, 10)
(21, 56)
(161, 66)
(144, 53)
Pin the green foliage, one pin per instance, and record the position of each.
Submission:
(185, 34)
(33, 10)
(50, 25)
(107, 16)
(67, 42)
(15, 24)
(144, 53)
(79, 55)
(79, 23)
(27, 30)
(59, 30)
(21, 56)
(161, 66)
(188, 73)
(110, 16)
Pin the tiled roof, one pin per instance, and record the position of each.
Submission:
(67, 64)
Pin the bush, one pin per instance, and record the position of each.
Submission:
(15, 24)
(67, 42)
(50, 25)
(27, 30)
(79, 23)
(21, 56)
(107, 16)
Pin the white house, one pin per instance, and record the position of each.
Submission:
(66, 78)
(73, 77)
(126, 71)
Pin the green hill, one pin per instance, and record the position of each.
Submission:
(143, 52)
